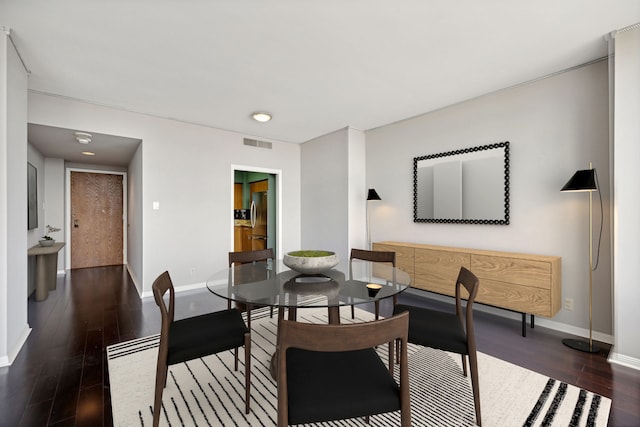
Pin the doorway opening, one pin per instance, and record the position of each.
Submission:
(255, 213)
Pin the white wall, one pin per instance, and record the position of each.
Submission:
(134, 217)
(357, 150)
(627, 197)
(334, 192)
(185, 168)
(54, 204)
(13, 216)
(555, 126)
(325, 192)
(35, 158)
(33, 236)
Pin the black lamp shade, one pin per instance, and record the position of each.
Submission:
(583, 180)
(373, 195)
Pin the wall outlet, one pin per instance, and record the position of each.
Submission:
(568, 304)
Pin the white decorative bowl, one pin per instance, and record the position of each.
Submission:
(311, 262)
(47, 242)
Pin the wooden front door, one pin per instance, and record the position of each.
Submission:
(96, 219)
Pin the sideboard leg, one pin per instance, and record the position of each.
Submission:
(524, 324)
(532, 324)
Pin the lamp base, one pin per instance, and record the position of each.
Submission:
(581, 345)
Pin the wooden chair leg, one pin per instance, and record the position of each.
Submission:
(391, 362)
(353, 312)
(377, 309)
(247, 371)
(161, 380)
(464, 365)
(473, 366)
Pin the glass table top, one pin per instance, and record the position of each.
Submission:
(272, 283)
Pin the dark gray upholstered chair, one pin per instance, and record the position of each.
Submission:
(195, 337)
(449, 331)
(332, 372)
(245, 258)
(374, 256)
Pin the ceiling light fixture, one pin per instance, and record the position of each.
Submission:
(83, 137)
(88, 153)
(261, 116)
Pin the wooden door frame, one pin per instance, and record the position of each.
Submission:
(278, 175)
(67, 213)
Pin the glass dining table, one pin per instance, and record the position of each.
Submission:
(273, 284)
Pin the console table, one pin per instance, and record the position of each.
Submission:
(46, 268)
(525, 283)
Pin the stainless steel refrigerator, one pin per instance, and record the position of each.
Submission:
(258, 220)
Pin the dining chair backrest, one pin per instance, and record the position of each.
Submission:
(470, 282)
(250, 256)
(160, 286)
(245, 257)
(324, 347)
(373, 256)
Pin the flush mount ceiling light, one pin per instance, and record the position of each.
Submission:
(261, 116)
(88, 153)
(82, 137)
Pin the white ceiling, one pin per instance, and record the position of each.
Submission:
(316, 66)
(60, 143)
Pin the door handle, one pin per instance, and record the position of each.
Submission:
(253, 214)
(75, 223)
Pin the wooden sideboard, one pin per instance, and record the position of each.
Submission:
(526, 283)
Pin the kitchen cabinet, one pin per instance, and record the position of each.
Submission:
(259, 186)
(237, 238)
(237, 196)
(242, 238)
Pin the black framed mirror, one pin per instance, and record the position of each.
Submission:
(466, 186)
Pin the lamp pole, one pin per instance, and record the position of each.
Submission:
(591, 269)
(371, 195)
(585, 180)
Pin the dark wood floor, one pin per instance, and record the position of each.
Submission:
(60, 376)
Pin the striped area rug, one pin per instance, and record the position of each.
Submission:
(207, 392)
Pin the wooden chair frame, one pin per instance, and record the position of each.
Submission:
(373, 256)
(470, 282)
(245, 258)
(337, 338)
(160, 287)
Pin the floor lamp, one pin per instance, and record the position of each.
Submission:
(585, 180)
(372, 195)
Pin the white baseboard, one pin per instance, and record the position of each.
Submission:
(573, 330)
(621, 359)
(135, 280)
(11, 356)
(184, 288)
